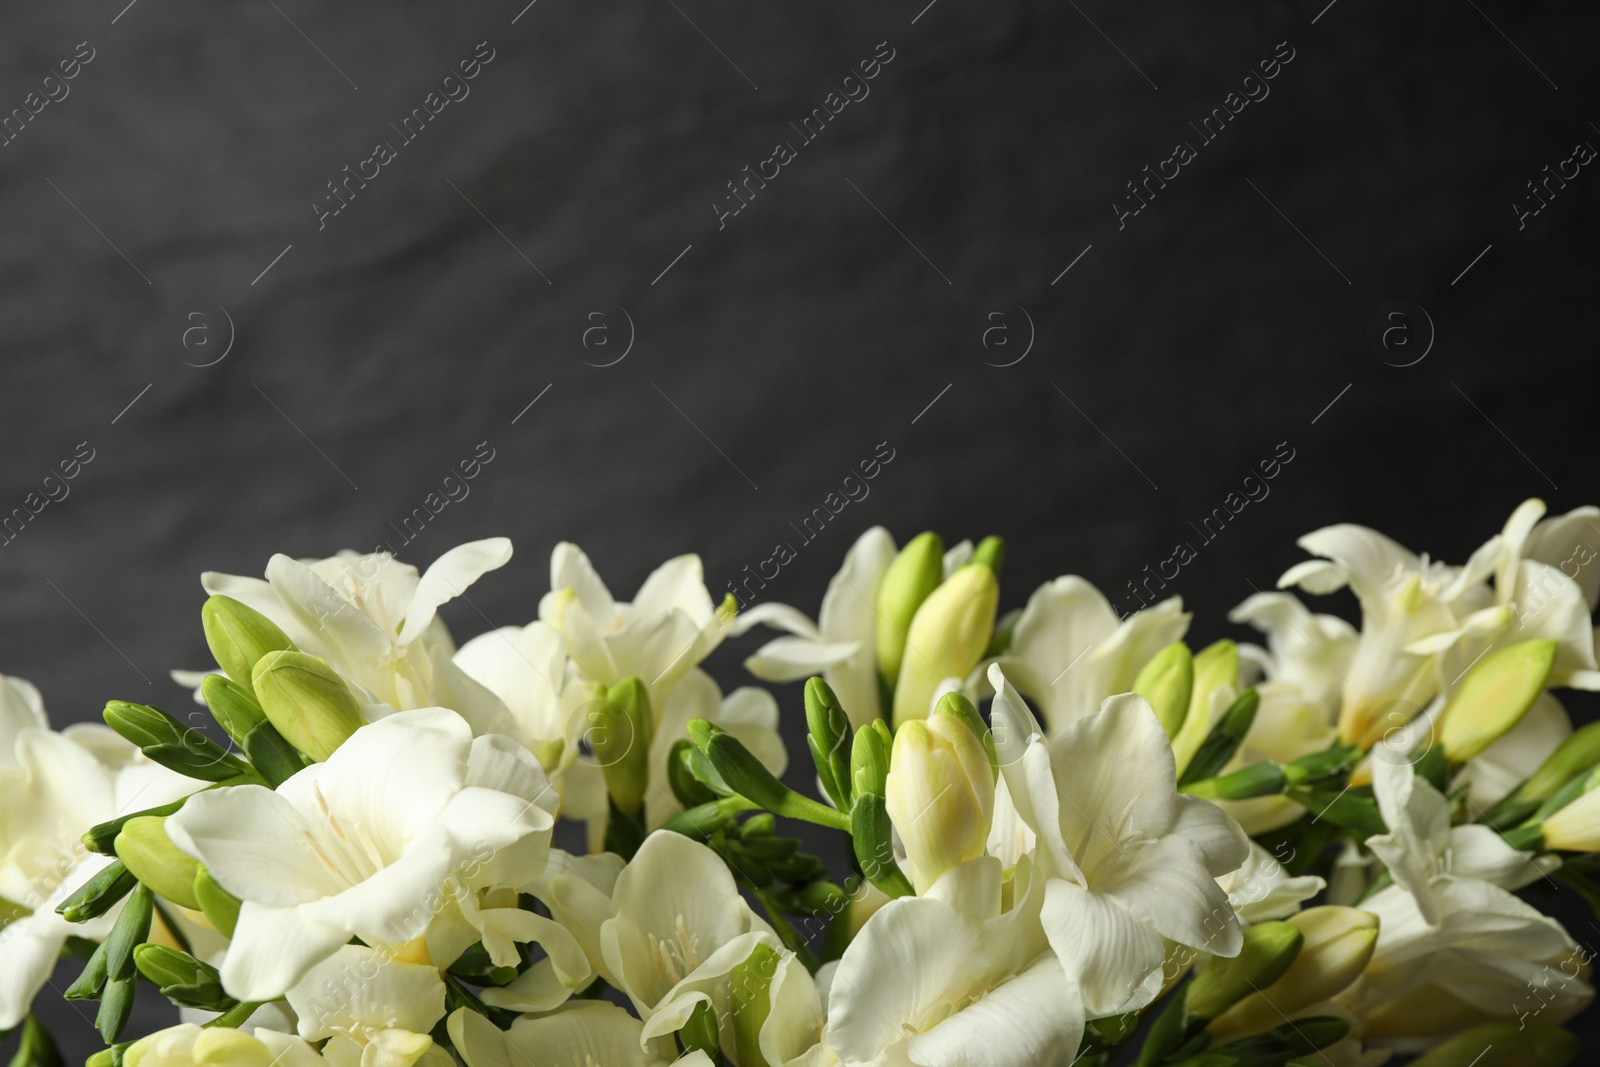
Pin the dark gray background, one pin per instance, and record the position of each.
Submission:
(825, 318)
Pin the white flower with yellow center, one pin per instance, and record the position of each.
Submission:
(376, 842)
(583, 1034)
(371, 1009)
(1130, 863)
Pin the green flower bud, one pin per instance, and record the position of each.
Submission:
(751, 985)
(143, 845)
(1269, 949)
(102, 837)
(92, 979)
(624, 730)
(1166, 682)
(1214, 667)
(116, 1004)
(232, 705)
(749, 778)
(99, 894)
(306, 701)
(829, 741)
(1494, 696)
(1506, 1044)
(182, 978)
(131, 929)
(915, 573)
(869, 758)
(991, 552)
(1337, 945)
(1223, 740)
(1573, 757)
(239, 636)
(872, 838)
(947, 638)
(172, 744)
(221, 908)
(689, 790)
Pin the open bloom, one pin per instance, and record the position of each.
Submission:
(190, 1045)
(1070, 651)
(1129, 861)
(406, 819)
(951, 980)
(678, 930)
(375, 620)
(668, 628)
(370, 1008)
(53, 787)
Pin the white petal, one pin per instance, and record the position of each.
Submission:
(1369, 558)
(338, 626)
(273, 948)
(448, 577)
(1111, 955)
(788, 659)
(1115, 773)
(777, 616)
(363, 987)
(677, 585)
(571, 569)
(1569, 542)
(29, 948)
(1034, 1020)
(849, 613)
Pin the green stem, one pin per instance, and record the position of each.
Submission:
(236, 1014)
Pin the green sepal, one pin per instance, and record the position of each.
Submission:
(1223, 740)
(99, 894)
(872, 840)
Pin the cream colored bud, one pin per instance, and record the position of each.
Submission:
(1336, 947)
(948, 637)
(940, 796)
(1494, 696)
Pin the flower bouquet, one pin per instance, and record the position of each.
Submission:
(1066, 836)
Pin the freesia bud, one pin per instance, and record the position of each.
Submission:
(1270, 948)
(232, 705)
(182, 978)
(869, 758)
(625, 729)
(947, 638)
(940, 796)
(959, 708)
(1494, 696)
(239, 636)
(172, 744)
(306, 701)
(1215, 666)
(915, 573)
(221, 908)
(1574, 827)
(829, 741)
(1336, 946)
(1574, 756)
(747, 776)
(1507, 1044)
(99, 894)
(143, 845)
(1166, 682)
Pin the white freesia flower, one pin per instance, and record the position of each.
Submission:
(375, 620)
(949, 980)
(1405, 599)
(668, 628)
(578, 891)
(1070, 651)
(409, 817)
(54, 787)
(1423, 851)
(370, 1007)
(527, 669)
(1129, 861)
(1454, 946)
(680, 927)
(583, 1034)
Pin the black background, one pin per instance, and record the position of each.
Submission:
(777, 352)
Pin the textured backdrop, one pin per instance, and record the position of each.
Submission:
(272, 270)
